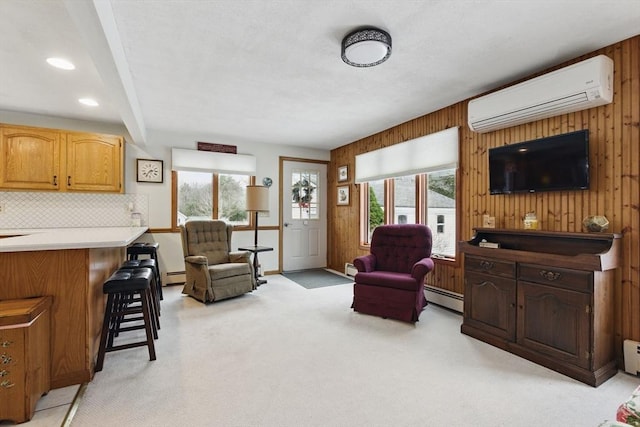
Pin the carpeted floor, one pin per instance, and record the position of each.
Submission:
(316, 278)
(282, 356)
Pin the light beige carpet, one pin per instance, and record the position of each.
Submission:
(287, 356)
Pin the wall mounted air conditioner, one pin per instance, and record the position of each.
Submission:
(577, 87)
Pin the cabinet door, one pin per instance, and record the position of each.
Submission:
(555, 322)
(490, 304)
(94, 162)
(30, 158)
(12, 375)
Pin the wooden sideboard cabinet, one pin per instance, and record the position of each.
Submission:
(25, 360)
(57, 160)
(545, 296)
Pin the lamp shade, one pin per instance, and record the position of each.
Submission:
(366, 47)
(257, 198)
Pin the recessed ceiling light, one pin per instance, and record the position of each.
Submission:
(61, 63)
(89, 102)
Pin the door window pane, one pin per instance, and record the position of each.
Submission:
(304, 194)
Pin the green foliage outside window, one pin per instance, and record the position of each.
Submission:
(376, 214)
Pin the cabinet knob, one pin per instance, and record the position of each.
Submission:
(7, 384)
(550, 275)
(5, 359)
(5, 343)
(486, 265)
(4, 373)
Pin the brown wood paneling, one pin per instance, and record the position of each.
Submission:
(614, 192)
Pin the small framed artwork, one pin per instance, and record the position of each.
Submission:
(148, 170)
(343, 195)
(343, 173)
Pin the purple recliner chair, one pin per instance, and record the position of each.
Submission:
(390, 280)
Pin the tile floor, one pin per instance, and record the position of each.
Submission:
(51, 409)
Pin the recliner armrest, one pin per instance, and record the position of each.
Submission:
(239, 256)
(197, 259)
(421, 268)
(365, 263)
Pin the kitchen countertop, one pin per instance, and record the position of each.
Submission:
(45, 239)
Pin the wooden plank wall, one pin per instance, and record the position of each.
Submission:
(615, 173)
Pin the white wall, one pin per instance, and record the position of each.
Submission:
(158, 146)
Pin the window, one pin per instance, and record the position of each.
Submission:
(419, 181)
(304, 194)
(211, 195)
(428, 198)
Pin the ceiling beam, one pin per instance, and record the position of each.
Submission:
(107, 52)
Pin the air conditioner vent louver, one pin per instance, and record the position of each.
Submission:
(577, 87)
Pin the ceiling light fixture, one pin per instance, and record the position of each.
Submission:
(366, 47)
(61, 63)
(88, 102)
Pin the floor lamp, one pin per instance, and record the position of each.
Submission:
(257, 201)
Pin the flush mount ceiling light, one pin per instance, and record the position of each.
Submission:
(61, 63)
(366, 47)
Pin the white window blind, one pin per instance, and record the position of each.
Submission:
(208, 161)
(428, 153)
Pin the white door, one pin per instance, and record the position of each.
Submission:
(304, 215)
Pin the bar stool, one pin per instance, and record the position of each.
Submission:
(121, 287)
(150, 250)
(133, 264)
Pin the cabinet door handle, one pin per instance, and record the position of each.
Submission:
(6, 343)
(5, 359)
(486, 265)
(550, 275)
(4, 373)
(7, 384)
(55, 180)
(69, 181)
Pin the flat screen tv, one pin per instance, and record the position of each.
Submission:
(555, 163)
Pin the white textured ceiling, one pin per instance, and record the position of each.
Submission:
(270, 71)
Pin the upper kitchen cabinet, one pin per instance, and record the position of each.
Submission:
(30, 158)
(58, 160)
(94, 163)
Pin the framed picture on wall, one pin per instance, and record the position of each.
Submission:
(343, 173)
(343, 195)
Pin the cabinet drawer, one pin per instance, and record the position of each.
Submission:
(576, 280)
(490, 266)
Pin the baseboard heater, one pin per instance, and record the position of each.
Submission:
(632, 357)
(448, 299)
(174, 277)
(350, 270)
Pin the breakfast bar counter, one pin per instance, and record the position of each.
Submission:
(70, 264)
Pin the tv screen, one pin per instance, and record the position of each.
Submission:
(555, 163)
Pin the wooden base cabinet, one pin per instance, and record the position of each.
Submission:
(25, 342)
(545, 296)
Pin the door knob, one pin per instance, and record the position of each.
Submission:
(286, 224)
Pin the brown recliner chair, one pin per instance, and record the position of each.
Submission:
(213, 271)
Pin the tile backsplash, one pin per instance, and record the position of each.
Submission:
(66, 210)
